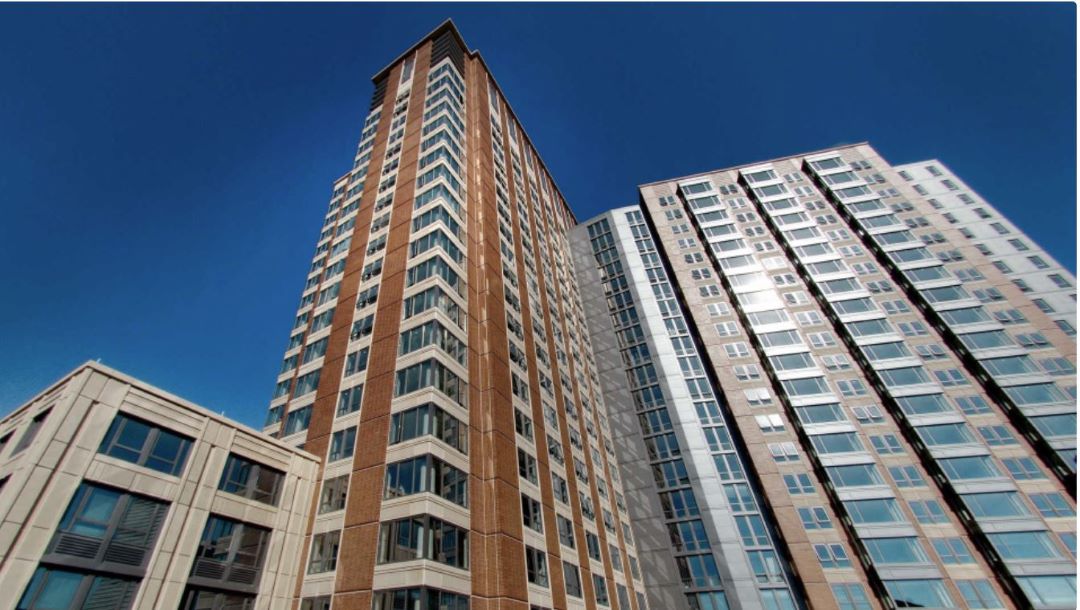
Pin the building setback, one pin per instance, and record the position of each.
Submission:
(1045, 281)
(115, 494)
(440, 367)
(824, 397)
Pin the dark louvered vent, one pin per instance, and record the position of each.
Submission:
(208, 568)
(380, 92)
(446, 45)
(76, 545)
(242, 575)
(125, 554)
(110, 594)
(141, 522)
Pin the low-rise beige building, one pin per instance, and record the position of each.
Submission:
(116, 494)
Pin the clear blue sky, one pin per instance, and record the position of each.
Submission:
(165, 169)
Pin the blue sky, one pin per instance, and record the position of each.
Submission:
(166, 168)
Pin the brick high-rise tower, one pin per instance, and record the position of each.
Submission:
(441, 367)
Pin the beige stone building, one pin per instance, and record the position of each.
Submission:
(116, 494)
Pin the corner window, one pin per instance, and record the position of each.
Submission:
(230, 552)
(251, 479)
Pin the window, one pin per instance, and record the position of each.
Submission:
(432, 333)
(919, 593)
(1059, 280)
(869, 414)
(938, 435)
(592, 543)
(815, 518)
(423, 537)
(757, 397)
(229, 552)
(196, 598)
(342, 444)
(928, 511)
(334, 492)
(851, 387)
(972, 405)
(526, 466)
(572, 577)
(1069, 540)
(426, 474)
(600, 590)
(782, 452)
(419, 597)
(701, 571)
(560, 488)
(362, 327)
(31, 431)
(536, 566)
(55, 589)
(250, 479)
(1039, 393)
(799, 484)
(429, 420)
(688, 536)
(968, 468)
(349, 400)
(531, 515)
(736, 350)
(904, 376)
(1057, 366)
(770, 423)
(324, 552)
(886, 444)
(356, 362)
(1038, 262)
(144, 444)
(1022, 546)
(881, 510)
(840, 442)
(1052, 504)
(307, 383)
(952, 551)
(996, 435)
(430, 373)
(851, 596)
(805, 387)
(107, 528)
(895, 551)
(832, 556)
(1023, 469)
(297, 420)
(765, 565)
(749, 372)
(312, 603)
(906, 476)
(978, 594)
(996, 504)
(1049, 591)
(566, 530)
